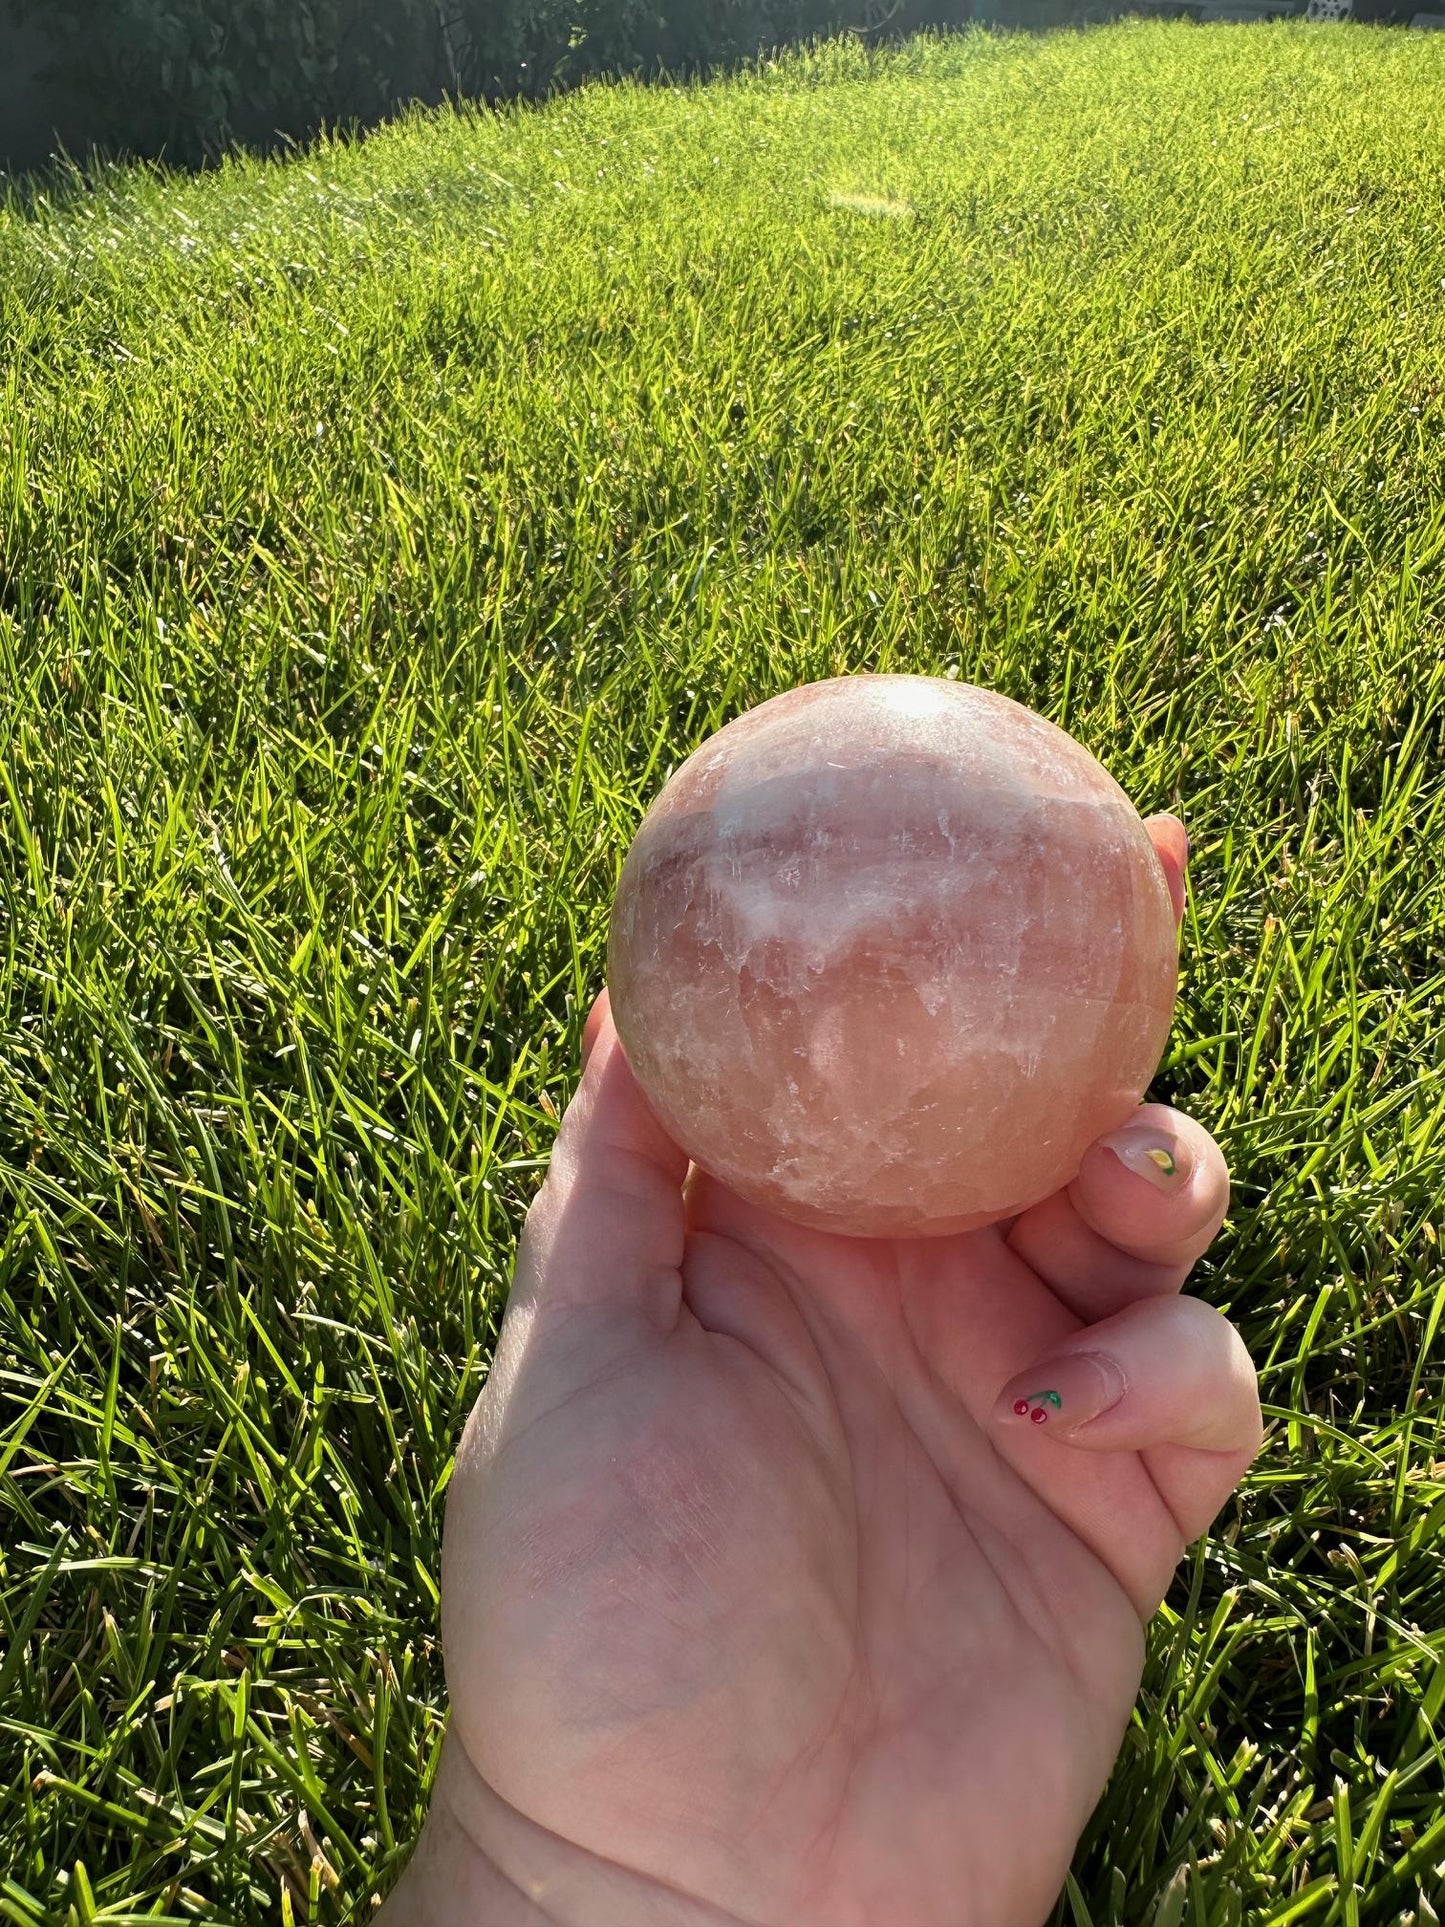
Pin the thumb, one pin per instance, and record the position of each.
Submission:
(1171, 846)
(606, 1229)
(599, 1018)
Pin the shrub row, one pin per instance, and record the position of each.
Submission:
(186, 77)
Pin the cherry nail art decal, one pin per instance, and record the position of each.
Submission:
(1074, 1389)
(1035, 1408)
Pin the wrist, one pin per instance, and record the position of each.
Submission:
(480, 1863)
(449, 1883)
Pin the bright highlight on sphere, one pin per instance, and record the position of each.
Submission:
(888, 954)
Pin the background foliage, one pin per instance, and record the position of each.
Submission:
(185, 77)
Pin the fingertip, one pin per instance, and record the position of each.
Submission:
(1171, 846)
(1157, 1188)
(597, 1021)
(610, 1106)
(607, 1225)
(1164, 1370)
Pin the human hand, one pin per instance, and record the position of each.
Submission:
(763, 1601)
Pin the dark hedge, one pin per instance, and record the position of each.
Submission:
(187, 78)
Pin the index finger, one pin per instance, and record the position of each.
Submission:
(1146, 1205)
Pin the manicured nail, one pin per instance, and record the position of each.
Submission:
(1063, 1392)
(1151, 1153)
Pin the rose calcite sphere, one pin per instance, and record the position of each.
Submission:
(889, 952)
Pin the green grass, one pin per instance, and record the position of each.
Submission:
(376, 530)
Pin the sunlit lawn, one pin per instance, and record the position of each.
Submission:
(376, 530)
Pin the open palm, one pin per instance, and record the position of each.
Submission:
(761, 1601)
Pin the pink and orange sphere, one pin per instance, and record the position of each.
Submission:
(889, 953)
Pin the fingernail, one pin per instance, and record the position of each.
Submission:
(1062, 1393)
(1156, 1155)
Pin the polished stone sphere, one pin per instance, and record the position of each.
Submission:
(889, 952)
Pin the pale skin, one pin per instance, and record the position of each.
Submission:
(761, 1601)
